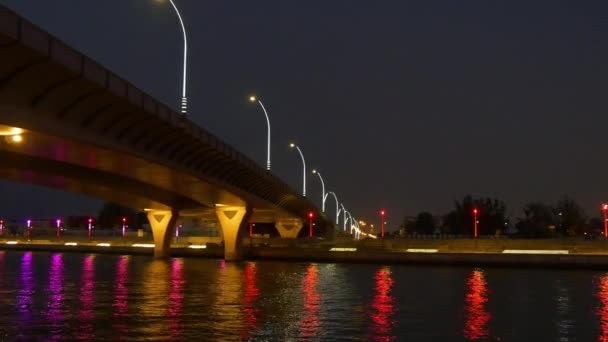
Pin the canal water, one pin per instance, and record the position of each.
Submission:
(65, 297)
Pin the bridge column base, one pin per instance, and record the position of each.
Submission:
(289, 228)
(232, 220)
(163, 225)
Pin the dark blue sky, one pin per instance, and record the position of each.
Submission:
(405, 105)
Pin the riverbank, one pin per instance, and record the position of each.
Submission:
(466, 252)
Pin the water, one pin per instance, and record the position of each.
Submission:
(63, 297)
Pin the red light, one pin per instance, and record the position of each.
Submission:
(310, 214)
(474, 211)
(124, 219)
(382, 212)
(604, 206)
(90, 220)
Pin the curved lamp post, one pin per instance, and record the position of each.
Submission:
(254, 99)
(184, 102)
(292, 145)
(337, 205)
(323, 194)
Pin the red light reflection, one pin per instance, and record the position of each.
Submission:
(476, 314)
(310, 319)
(87, 300)
(176, 299)
(250, 297)
(121, 294)
(383, 306)
(602, 312)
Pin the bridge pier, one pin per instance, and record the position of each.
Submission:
(232, 220)
(163, 224)
(289, 227)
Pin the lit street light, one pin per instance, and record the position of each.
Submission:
(323, 194)
(254, 99)
(605, 209)
(292, 145)
(337, 205)
(382, 213)
(310, 216)
(184, 102)
(475, 223)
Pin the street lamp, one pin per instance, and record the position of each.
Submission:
(292, 145)
(323, 194)
(475, 222)
(58, 226)
(310, 216)
(124, 226)
(90, 226)
(184, 102)
(337, 205)
(254, 99)
(605, 209)
(382, 213)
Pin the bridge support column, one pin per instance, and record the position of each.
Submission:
(289, 228)
(163, 225)
(232, 220)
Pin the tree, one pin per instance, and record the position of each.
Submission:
(491, 216)
(424, 224)
(572, 217)
(539, 221)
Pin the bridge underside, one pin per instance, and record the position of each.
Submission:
(89, 131)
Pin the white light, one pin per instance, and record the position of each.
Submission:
(197, 246)
(71, 244)
(342, 249)
(11, 242)
(103, 245)
(143, 245)
(421, 250)
(534, 251)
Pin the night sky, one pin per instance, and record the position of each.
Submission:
(402, 105)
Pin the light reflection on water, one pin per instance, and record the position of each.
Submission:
(477, 316)
(62, 297)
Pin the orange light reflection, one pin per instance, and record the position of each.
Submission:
(121, 294)
(87, 300)
(476, 314)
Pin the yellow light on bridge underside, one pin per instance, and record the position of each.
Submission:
(421, 250)
(11, 242)
(342, 249)
(9, 130)
(71, 244)
(103, 245)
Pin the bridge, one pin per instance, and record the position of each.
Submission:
(71, 124)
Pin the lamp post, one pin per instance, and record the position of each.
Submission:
(292, 145)
(323, 194)
(310, 216)
(337, 205)
(254, 99)
(605, 209)
(90, 227)
(58, 227)
(124, 226)
(184, 101)
(1, 227)
(475, 222)
(29, 229)
(382, 213)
